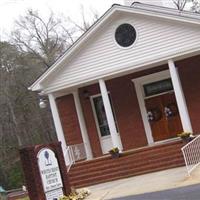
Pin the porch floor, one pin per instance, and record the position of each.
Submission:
(130, 163)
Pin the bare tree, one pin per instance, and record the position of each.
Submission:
(22, 121)
(44, 39)
(180, 4)
(196, 6)
(84, 25)
(47, 39)
(36, 44)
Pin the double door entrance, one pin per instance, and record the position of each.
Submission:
(163, 116)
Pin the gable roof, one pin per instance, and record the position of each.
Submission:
(137, 8)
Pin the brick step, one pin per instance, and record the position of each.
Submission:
(127, 173)
(126, 161)
(132, 164)
(87, 183)
(161, 147)
(124, 167)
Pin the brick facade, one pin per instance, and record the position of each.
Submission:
(126, 107)
(69, 119)
(127, 112)
(189, 71)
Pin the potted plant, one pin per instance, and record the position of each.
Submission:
(186, 136)
(114, 152)
(76, 195)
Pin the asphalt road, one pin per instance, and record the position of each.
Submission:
(183, 193)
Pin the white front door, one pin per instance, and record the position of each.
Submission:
(101, 123)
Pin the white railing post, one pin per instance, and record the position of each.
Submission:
(75, 152)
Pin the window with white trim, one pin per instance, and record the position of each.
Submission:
(101, 115)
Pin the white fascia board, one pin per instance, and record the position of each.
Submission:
(35, 87)
(162, 9)
(143, 9)
(127, 69)
(170, 14)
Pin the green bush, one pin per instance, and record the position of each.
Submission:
(15, 176)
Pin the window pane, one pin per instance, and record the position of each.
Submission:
(101, 116)
(158, 87)
(104, 130)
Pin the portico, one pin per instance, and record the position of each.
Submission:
(109, 139)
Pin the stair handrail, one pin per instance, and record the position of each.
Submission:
(191, 154)
(74, 153)
(69, 157)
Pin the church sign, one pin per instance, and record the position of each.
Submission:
(50, 174)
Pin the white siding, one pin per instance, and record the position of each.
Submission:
(101, 56)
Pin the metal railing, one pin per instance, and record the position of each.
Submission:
(74, 153)
(69, 160)
(191, 154)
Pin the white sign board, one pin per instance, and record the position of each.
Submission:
(50, 173)
(54, 194)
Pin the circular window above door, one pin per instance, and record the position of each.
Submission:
(125, 35)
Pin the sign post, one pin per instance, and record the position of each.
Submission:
(50, 173)
(45, 171)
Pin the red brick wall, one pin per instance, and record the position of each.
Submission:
(69, 119)
(127, 112)
(189, 72)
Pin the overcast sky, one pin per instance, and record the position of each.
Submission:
(11, 9)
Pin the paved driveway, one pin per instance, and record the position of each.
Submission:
(183, 193)
(137, 187)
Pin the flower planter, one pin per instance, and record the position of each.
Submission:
(187, 139)
(115, 155)
(186, 136)
(114, 152)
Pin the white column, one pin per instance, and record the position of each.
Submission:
(180, 99)
(57, 122)
(109, 114)
(82, 126)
